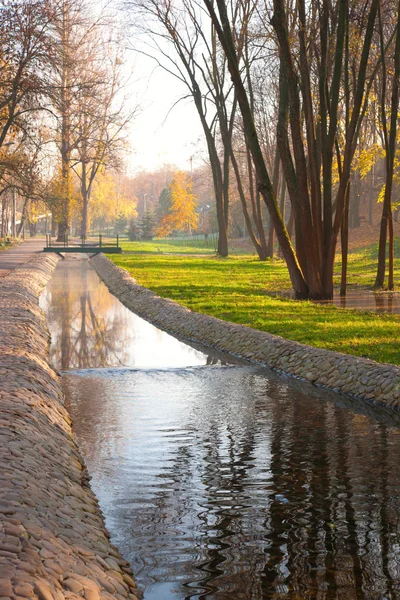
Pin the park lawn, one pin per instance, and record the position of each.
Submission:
(234, 289)
(160, 246)
(178, 246)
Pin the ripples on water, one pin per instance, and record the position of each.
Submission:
(227, 482)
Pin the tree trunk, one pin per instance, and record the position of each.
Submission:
(62, 230)
(309, 231)
(275, 184)
(85, 210)
(350, 147)
(24, 215)
(390, 146)
(85, 201)
(261, 251)
(290, 223)
(391, 253)
(225, 35)
(370, 195)
(222, 246)
(217, 173)
(345, 244)
(53, 225)
(3, 216)
(355, 197)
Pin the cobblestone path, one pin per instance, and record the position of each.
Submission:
(53, 541)
(18, 255)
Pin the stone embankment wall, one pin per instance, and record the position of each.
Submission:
(356, 377)
(53, 542)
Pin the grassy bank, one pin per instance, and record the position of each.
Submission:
(235, 289)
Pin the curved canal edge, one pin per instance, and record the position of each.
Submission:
(53, 540)
(356, 377)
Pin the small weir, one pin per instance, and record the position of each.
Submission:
(223, 481)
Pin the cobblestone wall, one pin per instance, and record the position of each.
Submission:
(53, 542)
(357, 377)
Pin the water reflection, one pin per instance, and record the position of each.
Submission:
(90, 328)
(225, 484)
(376, 301)
(388, 302)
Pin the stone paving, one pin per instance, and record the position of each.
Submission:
(356, 377)
(53, 541)
(18, 255)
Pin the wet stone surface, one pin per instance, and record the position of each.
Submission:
(53, 541)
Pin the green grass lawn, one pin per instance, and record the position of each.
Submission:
(235, 289)
(167, 246)
(178, 246)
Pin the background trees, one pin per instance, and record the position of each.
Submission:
(297, 102)
(287, 97)
(63, 116)
(181, 213)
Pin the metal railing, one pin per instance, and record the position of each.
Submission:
(94, 241)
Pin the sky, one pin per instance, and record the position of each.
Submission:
(160, 135)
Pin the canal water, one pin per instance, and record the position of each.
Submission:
(223, 481)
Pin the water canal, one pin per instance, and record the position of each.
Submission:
(223, 481)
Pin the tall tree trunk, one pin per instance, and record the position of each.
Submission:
(24, 215)
(217, 173)
(345, 243)
(313, 161)
(311, 249)
(85, 201)
(370, 193)
(85, 215)
(391, 253)
(261, 251)
(275, 184)
(256, 209)
(290, 223)
(64, 213)
(3, 216)
(350, 147)
(222, 246)
(390, 145)
(355, 198)
(225, 35)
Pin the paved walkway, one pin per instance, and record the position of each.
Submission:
(53, 540)
(17, 255)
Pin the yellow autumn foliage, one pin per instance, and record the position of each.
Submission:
(182, 215)
(107, 203)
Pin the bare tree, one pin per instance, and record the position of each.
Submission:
(307, 156)
(197, 64)
(26, 46)
(77, 79)
(101, 120)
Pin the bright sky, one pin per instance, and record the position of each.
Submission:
(159, 136)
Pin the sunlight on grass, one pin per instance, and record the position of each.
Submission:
(178, 246)
(235, 289)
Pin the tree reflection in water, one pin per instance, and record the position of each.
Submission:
(225, 483)
(388, 302)
(90, 328)
(92, 334)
